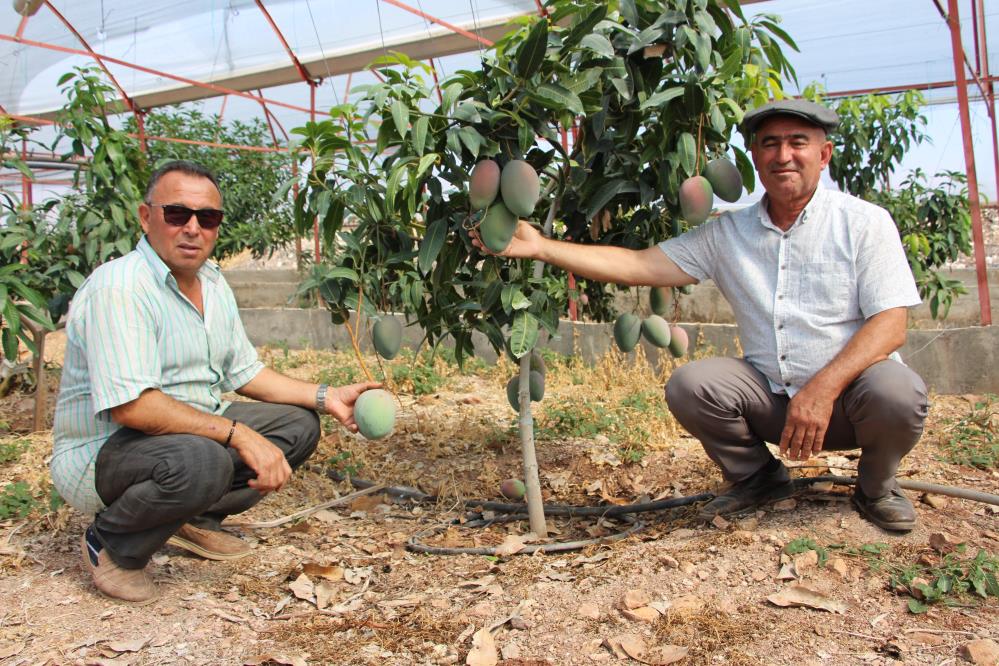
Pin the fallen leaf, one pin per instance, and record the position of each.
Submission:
(129, 646)
(325, 592)
(787, 572)
(627, 645)
(329, 572)
(666, 654)
(303, 588)
(599, 557)
(800, 595)
(923, 638)
(514, 543)
(367, 502)
(283, 659)
(228, 616)
(944, 543)
(483, 652)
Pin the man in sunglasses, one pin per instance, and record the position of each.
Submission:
(143, 439)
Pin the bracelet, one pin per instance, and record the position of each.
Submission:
(321, 398)
(231, 430)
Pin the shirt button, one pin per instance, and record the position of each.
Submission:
(780, 327)
(780, 297)
(784, 267)
(787, 383)
(783, 357)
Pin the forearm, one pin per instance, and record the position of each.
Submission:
(271, 386)
(617, 265)
(877, 338)
(156, 413)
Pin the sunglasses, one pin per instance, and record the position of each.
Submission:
(178, 216)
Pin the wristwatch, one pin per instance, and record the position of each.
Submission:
(321, 398)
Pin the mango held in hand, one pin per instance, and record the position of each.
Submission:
(513, 489)
(537, 389)
(520, 187)
(374, 413)
(386, 335)
(696, 199)
(658, 300)
(627, 330)
(497, 227)
(656, 330)
(725, 179)
(483, 184)
(677, 341)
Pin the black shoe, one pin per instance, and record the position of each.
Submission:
(772, 482)
(893, 511)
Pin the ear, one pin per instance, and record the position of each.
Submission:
(144, 212)
(826, 154)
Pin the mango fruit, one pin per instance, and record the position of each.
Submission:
(725, 179)
(386, 335)
(658, 300)
(483, 184)
(656, 330)
(696, 199)
(537, 388)
(520, 187)
(513, 489)
(374, 413)
(627, 330)
(497, 227)
(677, 341)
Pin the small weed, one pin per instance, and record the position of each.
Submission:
(340, 375)
(422, 379)
(949, 582)
(973, 439)
(804, 544)
(586, 418)
(11, 451)
(341, 462)
(16, 500)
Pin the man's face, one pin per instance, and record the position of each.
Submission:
(789, 154)
(183, 249)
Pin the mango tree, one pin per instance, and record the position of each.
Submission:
(651, 90)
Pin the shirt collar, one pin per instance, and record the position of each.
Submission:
(811, 209)
(209, 270)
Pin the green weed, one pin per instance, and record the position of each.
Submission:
(804, 544)
(17, 500)
(973, 439)
(588, 418)
(342, 463)
(340, 375)
(951, 582)
(11, 451)
(423, 379)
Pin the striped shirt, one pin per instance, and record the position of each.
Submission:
(800, 295)
(130, 329)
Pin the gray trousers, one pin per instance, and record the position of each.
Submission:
(727, 404)
(152, 485)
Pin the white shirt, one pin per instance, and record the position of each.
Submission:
(800, 295)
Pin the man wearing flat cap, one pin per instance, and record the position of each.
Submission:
(819, 285)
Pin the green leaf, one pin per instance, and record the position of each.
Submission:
(557, 97)
(585, 80)
(400, 114)
(585, 25)
(688, 152)
(523, 333)
(662, 97)
(598, 44)
(525, 137)
(450, 95)
(472, 139)
(425, 163)
(342, 272)
(532, 52)
(917, 607)
(607, 191)
(420, 134)
(431, 245)
(468, 112)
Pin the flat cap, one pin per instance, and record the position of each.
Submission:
(814, 113)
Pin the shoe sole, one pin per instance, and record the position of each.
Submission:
(777, 495)
(897, 526)
(90, 569)
(192, 547)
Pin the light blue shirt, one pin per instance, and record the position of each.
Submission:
(800, 295)
(130, 329)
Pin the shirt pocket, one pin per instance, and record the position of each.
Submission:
(828, 291)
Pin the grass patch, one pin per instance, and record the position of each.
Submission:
(973, 440)
(955, 581)
(11, 451)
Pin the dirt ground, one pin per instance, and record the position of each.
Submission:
(340, 586)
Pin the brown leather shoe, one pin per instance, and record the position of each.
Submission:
(893, 511)
(209, 544)
(132, 585)
(773, 482)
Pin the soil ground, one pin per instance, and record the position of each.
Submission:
(340, 587)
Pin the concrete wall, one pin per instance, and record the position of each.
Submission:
(952, 360)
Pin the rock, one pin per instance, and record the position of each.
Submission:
(669, 561)
(915, 587)
(786, 572)
(935, 501)
(588, 611)
(983, 652)
(643, 614)
(840, 566)
(944, 543)
(805, 562)
(688, 568)
(759, 575)
(786, 504)
(634, 599)
(719, 522)
(923, 638)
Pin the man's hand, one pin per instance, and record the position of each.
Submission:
(262, 457)
(808, 416)
(526, 243)
(340, 402)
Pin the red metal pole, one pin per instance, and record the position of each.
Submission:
(21, 26)
(954, 22)
(437, 83)
(294, 189)
(225, 100)
(433, 19)
(302, 71)
(140, 123)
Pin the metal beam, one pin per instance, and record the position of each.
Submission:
(433, 19)
(304, 73)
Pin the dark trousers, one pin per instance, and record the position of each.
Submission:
(727, 404)
(152, 485)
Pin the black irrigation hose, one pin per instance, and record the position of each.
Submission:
(515, 511)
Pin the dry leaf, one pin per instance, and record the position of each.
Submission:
(943, 543)
(800, 595)
(283, 659)
(786, 572)
(514, 543)
(329, 572)
(228, 616)
(667, 654)
(303, 588)
(129, 646)
(325, 591)
(367, 502)
(627, 645)
(483, 652)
